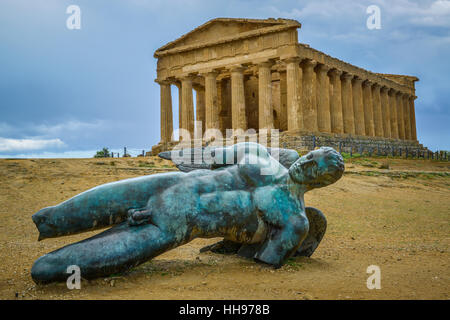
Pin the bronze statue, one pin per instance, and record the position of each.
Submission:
(254, 202)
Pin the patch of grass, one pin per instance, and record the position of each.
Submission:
(100, 163)
(346, 155)
(149, 164)
(293, 264)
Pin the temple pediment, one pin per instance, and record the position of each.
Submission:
(223, 29)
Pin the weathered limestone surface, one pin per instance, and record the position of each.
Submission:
(265, 96)
(309, 110)
(294, 92)
(187, 103)
(347, 104)
(337, 124)
(407, 118)
(323, 99)
(400, 122)
(358, 106)
(283, 101)
(368, 108)
(413, 118)
(166, 111)
(211, 101)
(200, 108)
(238, 98)
(377, 113)
(385, 111)
(254, 74)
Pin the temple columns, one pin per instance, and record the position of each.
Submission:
(323, 98)
(368, 108)
(385, 112)
(400, 122)
(337, 125)
(308, 104)
(283, 101)
(211, 101)
(347, 104)
(200, 106)
(377, 112)
(238, 118)
(358, 106)
(293, 77)
(166, 111)
(413, 118)
(180, 105)
(393, 112)
(187, 103)
(265, 112)
(406, 116)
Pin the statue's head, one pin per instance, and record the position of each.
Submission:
(319, 168)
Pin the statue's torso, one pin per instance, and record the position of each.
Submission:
(217, 203)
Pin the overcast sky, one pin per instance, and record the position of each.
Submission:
(67, 93)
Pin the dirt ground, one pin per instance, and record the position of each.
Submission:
(396, 218)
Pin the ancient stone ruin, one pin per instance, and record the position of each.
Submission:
(252, 73)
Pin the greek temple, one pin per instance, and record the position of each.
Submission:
(254, 74)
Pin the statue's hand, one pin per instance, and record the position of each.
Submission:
(138, 216)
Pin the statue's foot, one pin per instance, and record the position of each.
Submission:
(137, 217)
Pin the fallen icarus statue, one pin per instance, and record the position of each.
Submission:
(253, 201)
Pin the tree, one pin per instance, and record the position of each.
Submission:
(104, 153)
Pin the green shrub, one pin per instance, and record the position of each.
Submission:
(104, 153)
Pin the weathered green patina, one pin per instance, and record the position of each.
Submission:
(254, 201)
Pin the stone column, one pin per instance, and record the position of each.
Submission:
(238, 118)
(412, 114)
(377, 113)
(385, 112)
(283, 101)
(347, 103)
(323, 98)
(393, 112)
(166, 111)
(180, 105)
(358, 106)
(368, 108)
(265, 107)
(211, 101)
(187, 105)
(294, 88)
(337, 123)
(400, 122)
(200, 106)
(406, 116)
(308, 104)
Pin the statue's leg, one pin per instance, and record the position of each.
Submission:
(317, 228)
(112, 251)
(102, 206)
